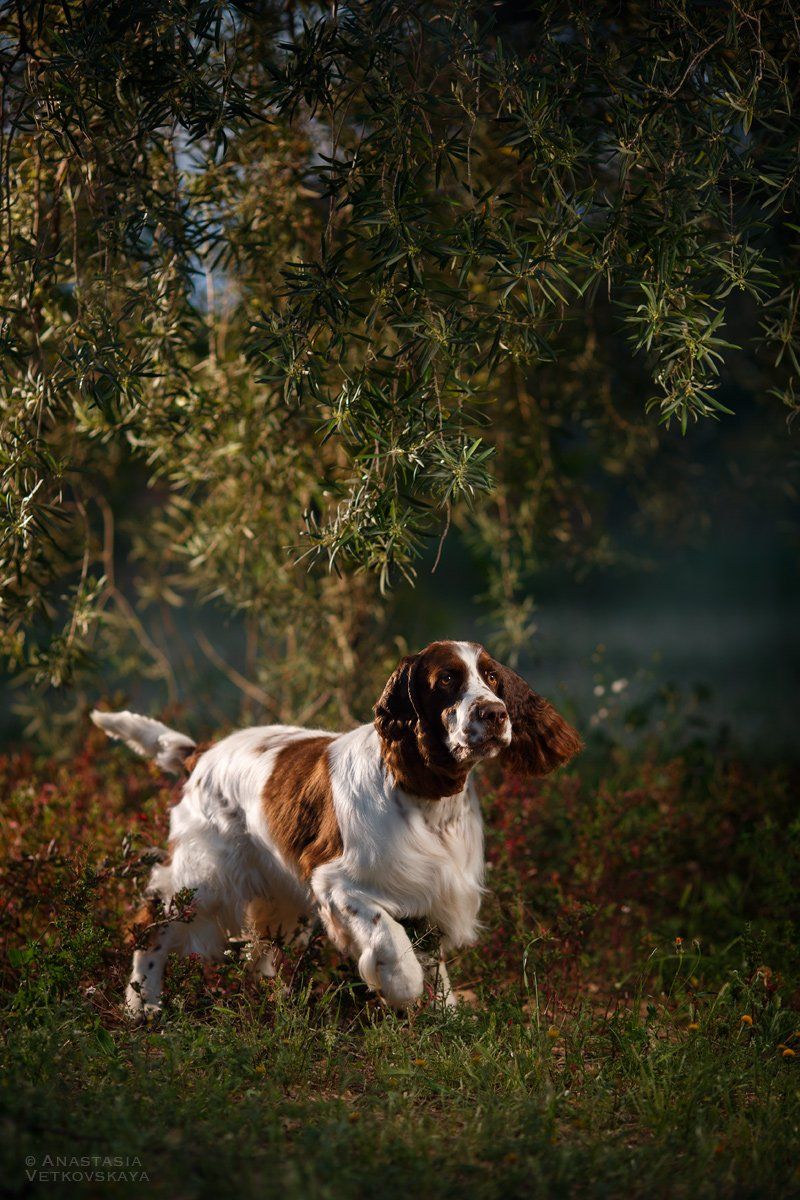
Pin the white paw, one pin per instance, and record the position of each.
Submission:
(136, 1009)
(398, 980)
(264, 967)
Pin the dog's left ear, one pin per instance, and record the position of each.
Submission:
(396, 712)
(541, 739)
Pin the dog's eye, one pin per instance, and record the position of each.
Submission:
(491, 677)
(445, 679)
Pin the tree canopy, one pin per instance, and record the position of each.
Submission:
(329, 280)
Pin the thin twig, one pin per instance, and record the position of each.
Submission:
(124, 604)
(244, 685)
(445, 532)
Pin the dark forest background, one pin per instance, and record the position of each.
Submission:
(328, 331)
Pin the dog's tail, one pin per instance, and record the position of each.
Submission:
(147, 737)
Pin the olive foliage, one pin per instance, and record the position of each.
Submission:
(289, 290)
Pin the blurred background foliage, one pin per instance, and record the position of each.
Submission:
(301, 307)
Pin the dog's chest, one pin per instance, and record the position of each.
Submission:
(420, 858)
(433, 859)
(443, 827)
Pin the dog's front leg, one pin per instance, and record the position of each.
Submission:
(438, 979)
(359, 925)
(428, 942)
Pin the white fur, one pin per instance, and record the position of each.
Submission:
(402, 856)
(147, 737)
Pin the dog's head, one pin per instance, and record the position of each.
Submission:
(451, 706)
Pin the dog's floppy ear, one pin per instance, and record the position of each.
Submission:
(395, 712)
(541, 739)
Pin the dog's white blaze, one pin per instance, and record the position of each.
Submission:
(462, 728)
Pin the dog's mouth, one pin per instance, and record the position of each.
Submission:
(488, 746)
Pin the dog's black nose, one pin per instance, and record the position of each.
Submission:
(494, 716)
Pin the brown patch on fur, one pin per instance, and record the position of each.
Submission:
(194, 756)
(298, 801)
(412, 765)
(140, 930)
(541, 739)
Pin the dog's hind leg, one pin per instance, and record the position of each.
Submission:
(202, 935)
(197, 929)
(143, 994)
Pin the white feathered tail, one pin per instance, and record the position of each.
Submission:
(147, 737)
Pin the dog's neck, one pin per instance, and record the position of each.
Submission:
(420, 767)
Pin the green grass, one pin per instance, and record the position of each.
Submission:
(640, 907)
(289, 1098)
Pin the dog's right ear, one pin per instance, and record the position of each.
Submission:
(396, 713)
(541, 739)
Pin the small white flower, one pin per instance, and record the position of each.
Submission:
(599, 690)
(618, 686)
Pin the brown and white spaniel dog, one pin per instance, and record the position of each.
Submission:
(278, 824)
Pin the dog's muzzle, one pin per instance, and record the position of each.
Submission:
(488, 724)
